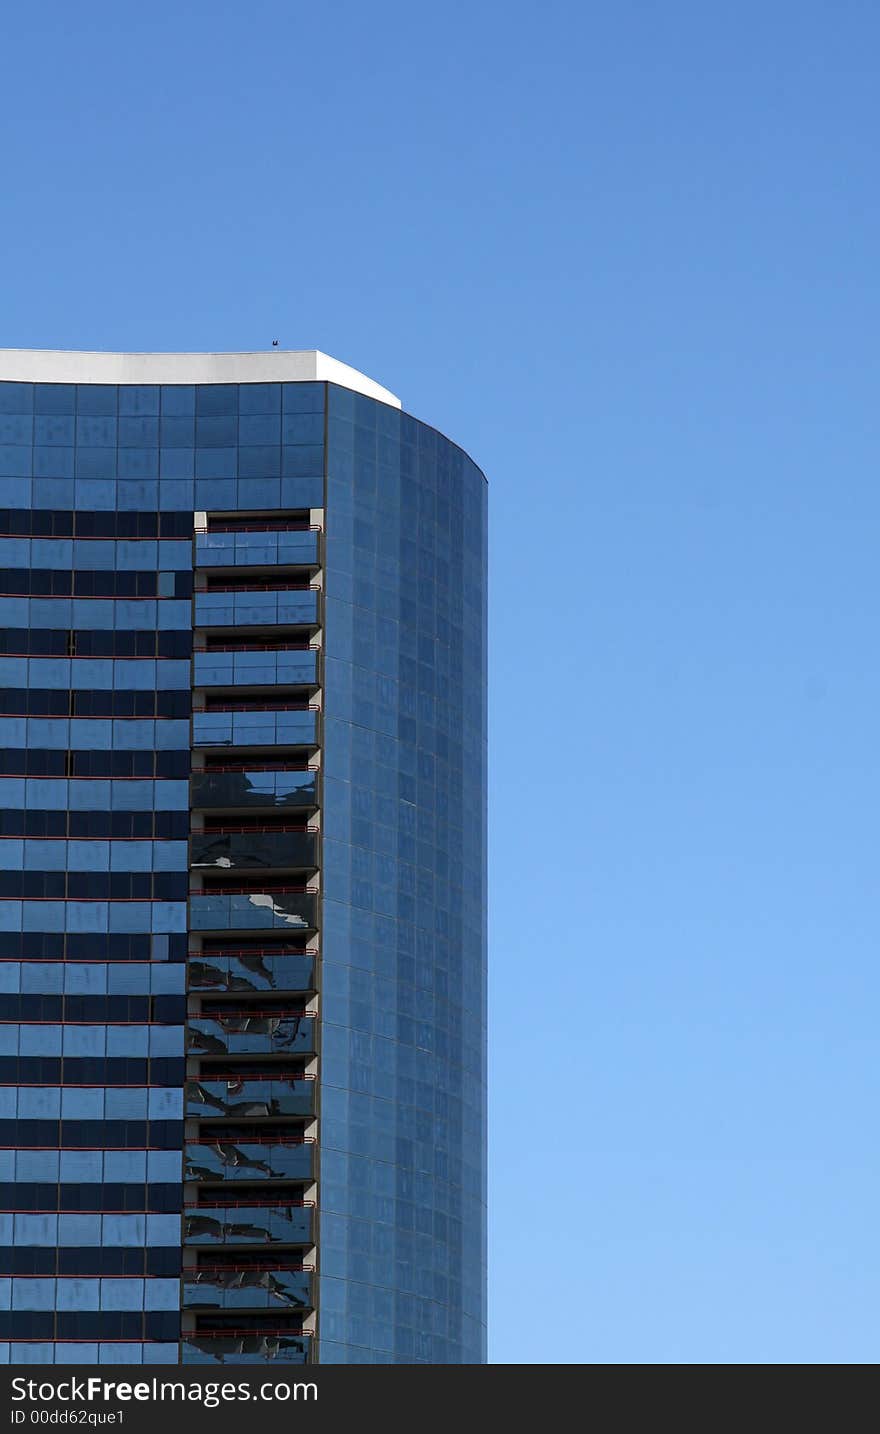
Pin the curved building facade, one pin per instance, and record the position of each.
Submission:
(243, 885)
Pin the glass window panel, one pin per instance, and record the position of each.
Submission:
(75, 1230)
(16, 428)
(40, 1229)
(305, 397)
(82, 1166)
(260, 398)
(96, 398)
(128, 1103)
(125, 1230)
(216, 399)
(39, 1166)
(127, 1041)
(79, 1103)
(73, 1294)
(128, 1167)
(177, 399)
(139, 398)
(55, 398)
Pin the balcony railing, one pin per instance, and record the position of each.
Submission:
(261, 825)
(248, 1225)
(274, 701)
(243, 883)
(255, 608)
(257, 548)
(249, 1097)
(241, 1035)
(249, 1160)
(273, 582)
(292, 791)
(248, 1289)
(253, 910)
(251, 971)
(229, 642)
(245, 1348)
(255, 729)
(250, 849)
(267, 523)
(257, 669)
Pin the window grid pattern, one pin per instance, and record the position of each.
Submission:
(250, 1098)
(376, 740)
(402, 1075)
(96, 636)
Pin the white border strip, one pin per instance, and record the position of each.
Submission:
(269, 366)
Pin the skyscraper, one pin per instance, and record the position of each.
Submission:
(242, 856)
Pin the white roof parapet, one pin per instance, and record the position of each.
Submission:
(267, 366)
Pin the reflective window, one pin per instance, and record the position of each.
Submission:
(99, 485)
(403, 937)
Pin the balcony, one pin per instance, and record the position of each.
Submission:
(248, 1289)
(257, 549)
(253, 910)
(249, 849)
(248, 1224)
(287, 791)
(250, 1096)
(289, 607)
(275, 728)
(251, 971)
(256, 669)
(242, 1034)
(246, 1348)
(245, 1160)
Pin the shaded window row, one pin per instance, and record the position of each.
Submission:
(92, 1134)
(174, 479)
(278, 580)
(140, 399)
(55, 762)
(85, 1260)
(89, 1324)
(55, 523)
(92, 582)
(151, 431)
(94, 885)
(97, 642)
(133, 440)
(58, 702)
(91, 1070)
(159, 826)
(92, 946)
(278, 1321)
(294, 520)
(164, 1010)
(151, 1197)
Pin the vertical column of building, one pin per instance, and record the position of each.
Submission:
(404, 901)
(95, 611)
(250, 1158)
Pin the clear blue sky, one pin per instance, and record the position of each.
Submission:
(626, 254)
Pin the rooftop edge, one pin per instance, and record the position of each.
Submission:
(265, 366)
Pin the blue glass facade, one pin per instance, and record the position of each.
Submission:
(242, 900)
(403, 1080)
(96, 637)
